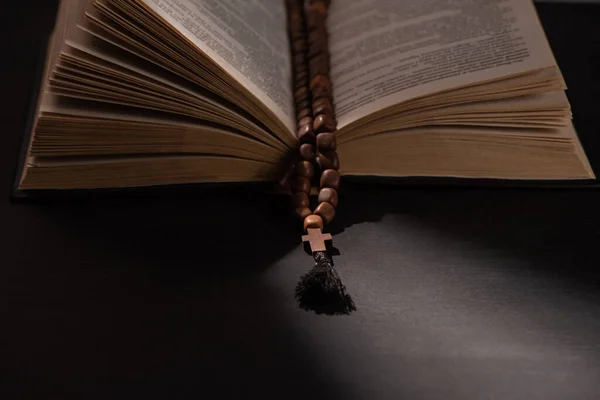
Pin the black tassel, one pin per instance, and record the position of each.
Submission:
(321, 290)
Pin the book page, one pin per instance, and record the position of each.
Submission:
(247, 38)
(384, 52)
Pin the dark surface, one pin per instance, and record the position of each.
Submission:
(461, 294)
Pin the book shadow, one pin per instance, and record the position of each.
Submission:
(217, 234)
(555, 232)
(160, 294)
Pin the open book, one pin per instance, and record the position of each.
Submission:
(163, 92)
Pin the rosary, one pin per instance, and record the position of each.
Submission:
(320, 290)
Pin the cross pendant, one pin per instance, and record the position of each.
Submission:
(316, 239)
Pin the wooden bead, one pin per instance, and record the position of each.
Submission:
(321, 58)
(323, 123)
(303, 212)
(303, 113)
(319, 81)
(326, 211)
(314, 18)
(296, 24)
(297, 34)
(305, 121)
(329, 160)
(305, 134)
(303, 104)
(305, 169)
(297, 30)
(301, 84)
(318, 65)
(301, 94)
(320, 102)
(322, 106)
(308, 152)
(301, 75)
(317, 48)
(300, 199)
(301, 184)
(317, 35)
(313, 221)
(328, 195)
(323, 110)
(321, 6)
(321, 92)
(330, 179)
(299, 70)
(326, 141)
(300, 63)
(299, 57)
(299, 46)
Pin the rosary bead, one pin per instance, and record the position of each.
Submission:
(305, 121)
(329, 160)
(323, 123)
(317, 35)
(305, 134)
(301, 184)
(322, 58)
(330, 178)
(318, 7)
(314, 18)
(313, 221)
(301, 71)
(326, 141)
(303, 212)
(320, 92)
(303, 113)
(295, 20)
(328, 195)
(299, 58)
(300, 200)
(296, 30)
(322, 106)
(319, 81)
(319, 65)
(305, 169)
(303, 104)
(317, 48)
(302, 76)
(299, 46)
(318, 68)
(300, 64)
(307, 151)
(301, 94)
(326, 211)
(301, 83)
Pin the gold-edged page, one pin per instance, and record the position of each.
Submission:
(129, 171)
(385, 52)
(543, 109)
(111, 117)
(70, 128)
(114, 76)
(468, 152)
(65, 12)
(247, 38)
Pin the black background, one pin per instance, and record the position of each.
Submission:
(461, 293)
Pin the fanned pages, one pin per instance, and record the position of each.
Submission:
(163, 92)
